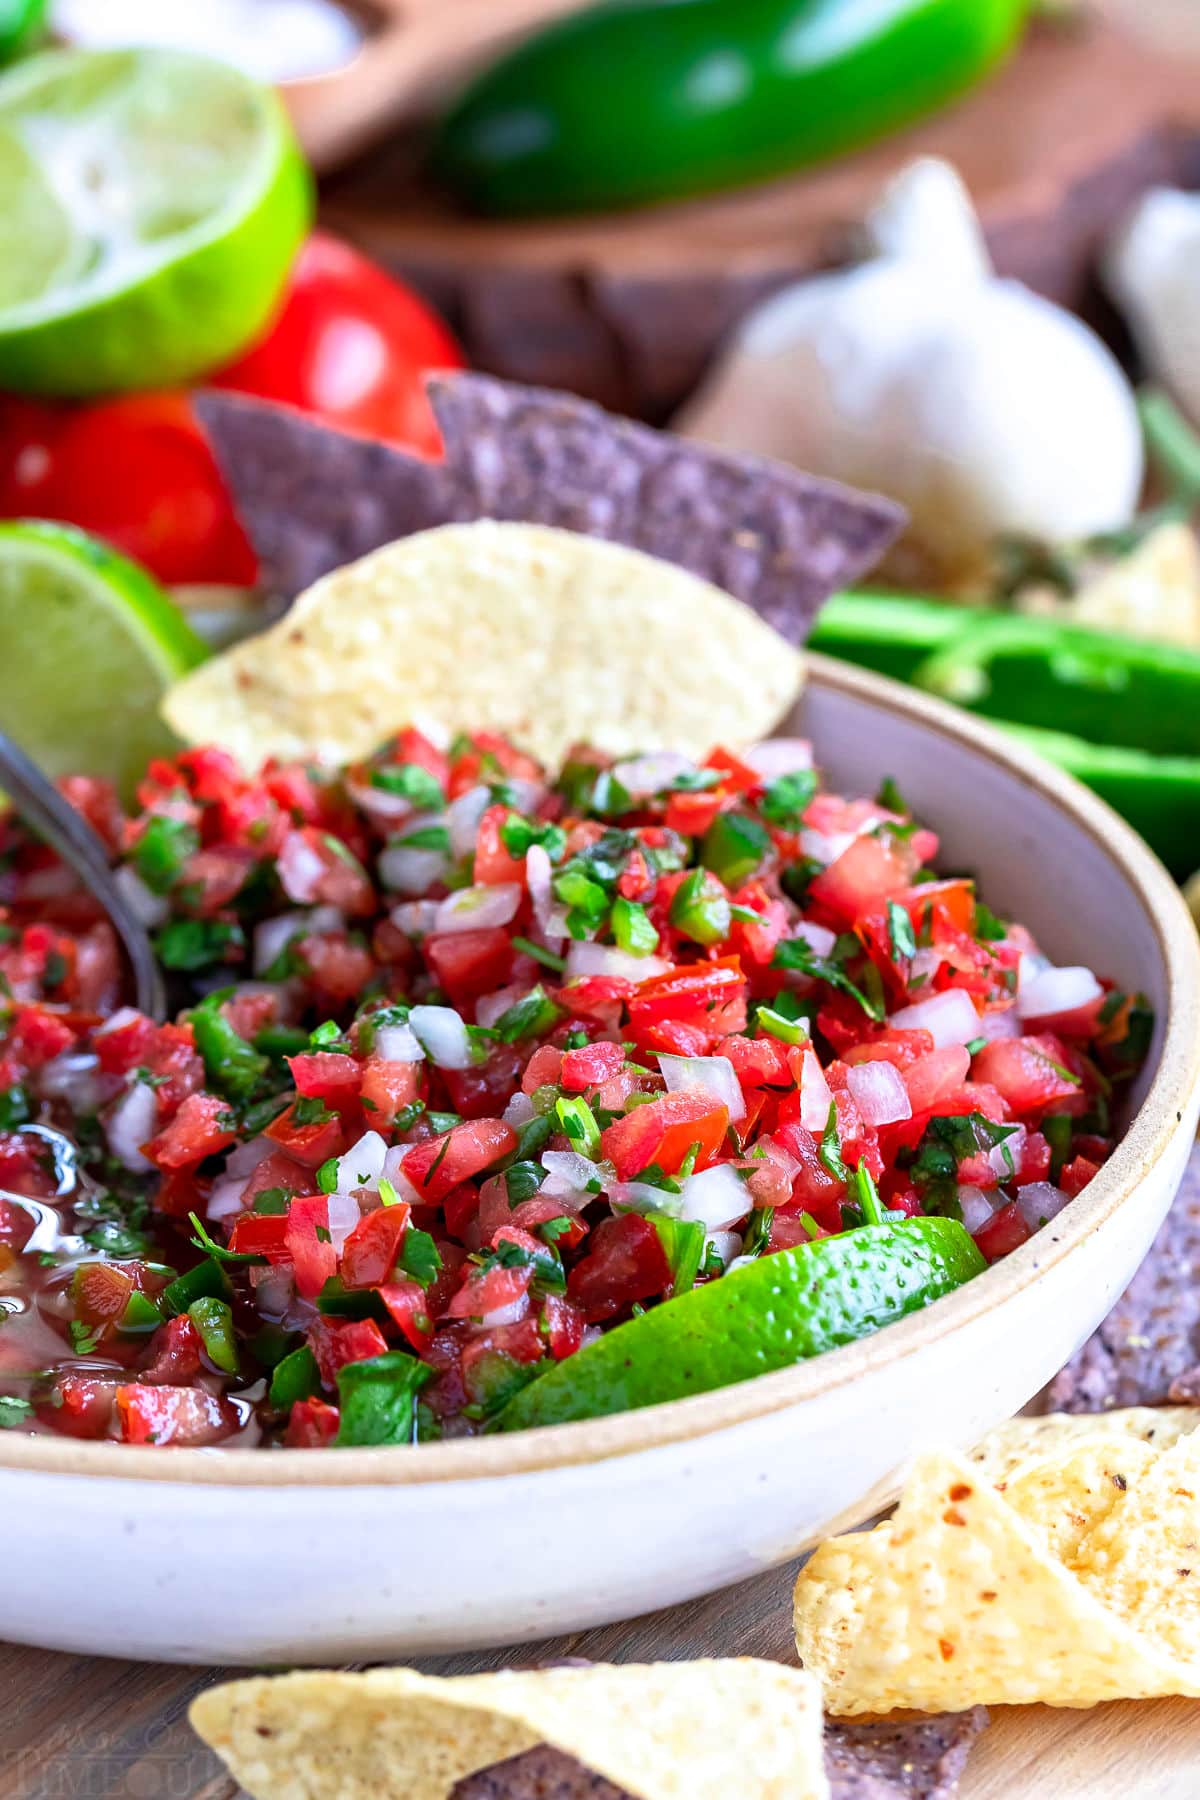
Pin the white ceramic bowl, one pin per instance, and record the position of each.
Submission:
(294, 1556)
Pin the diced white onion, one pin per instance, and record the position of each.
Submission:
(1057, 991)
(299, 867)
(819, 938)
(825, 846)
(508, 1314)
(1032, 964)
(393, 1171)
(570, 1177)
(713, 1073)
(124, 1015)
(406, 869)
(727, 1245)
(949, 1017)
(478, 908)
(398, 1044)
(226, 1198)
(244, 1158)
(149, 909)
(539, 879)
(641, 1196)
(325, 918)
(879, 1093)
(130, 1124)
(1040, 1201)
(361, 1165)
(415, 918)
(606, 959)
(443, 1035)
(815, 1096)
(490, 1007)
(924, 964)
(77, 1078)
(779, 756)
(717, 1197)
(343, 1217)
(977, 1207)
(643, 775)
(519, 1111)
(463, 816)
(382, 805)
(1005, 1157)
(999, 1022)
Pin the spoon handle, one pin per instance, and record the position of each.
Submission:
(72, 838)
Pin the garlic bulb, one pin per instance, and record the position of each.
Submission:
(980, 406)
(1152, 269)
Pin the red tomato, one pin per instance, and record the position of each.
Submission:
(387, 1088)
(591, 1066)
(493, 864)
(663, 1131)
(625, 1262)
(82, 1406)
(1031, 1073)
(1004, 1232)
(138, 473)
(487, 1290)
(311, 1425)
(440, 1163)
(1078, 1172)
(336, 1342)
(369, 1253)
(326, 1075)
(200, 1127)
(261, 1234)
(307, 1238)
(409, 1309)
(176, 1349)
(867, 873)
(902, 1048)
(563, 1325)
(708, 998)
(308, 1144)
(173, 1415)
(351, 344)
(470, 963)
(934, 1078)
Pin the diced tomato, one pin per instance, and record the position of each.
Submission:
(17, 1224)
(759, 1062)
(493, 863)
(101, 1291)
(1032, 1074)
(597, 997)
(708, 998)
(261, 1234)
(325, 1075)
(591, 1066)
(39, 1035)
(693, 813)
(950, 902)
(336, 968)
(202, 1126)
(756, 944)
(412, 746)
(175, 1354)
(1076, 1175)
(485, 1090)
(814, 1188)
(1004, 1232)
(369, 1253)
(624, 1262)
(868, 872)
(82, 1405)
(307, 1239)
(386, 1089)
(310, 1144)
(544, 1069)
(470, 963)
(440, 1163)
(563, 1324)
(490, 1290)
(663, 1131)
(901, 1048)
(278, 1170)
(122, 1047)
(179, 1193)
(311, 1425)
(174, 1415)
(787, 1231)
(336, 1342)
(1034, 1164)
(315, 869)
(934, 1078)
(409, 1309)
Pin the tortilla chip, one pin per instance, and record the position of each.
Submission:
(968, 1606)
(909, 1759)
(663, 1731)
(1154, 592)
(312, 498)
(1066, 1496)
(1151, 1338)
(1028, 1441)
(1142, 1559)
(544, 635)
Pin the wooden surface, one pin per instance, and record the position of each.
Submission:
(627, 307)
(77, 1728)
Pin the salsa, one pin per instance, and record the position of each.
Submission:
(471, 1065)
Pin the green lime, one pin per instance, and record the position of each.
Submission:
(151, 203)
(20, 20)
(774, 1313)
(90, 643)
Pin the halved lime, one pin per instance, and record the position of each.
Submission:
(151, 203)
(778, 1311)
(88, 644)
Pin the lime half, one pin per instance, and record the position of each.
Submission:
(778, 1311)
(88, 643)
(151, 203)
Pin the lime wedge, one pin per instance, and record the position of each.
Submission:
(90, 643)
(151, 203)
(774, 1313)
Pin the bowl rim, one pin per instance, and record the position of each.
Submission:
(549, 1448)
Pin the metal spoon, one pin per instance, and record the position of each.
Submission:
(72, 838)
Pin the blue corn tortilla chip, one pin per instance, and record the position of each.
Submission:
(312, 498)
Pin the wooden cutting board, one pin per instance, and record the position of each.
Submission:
(628, 307)
(86, 1728)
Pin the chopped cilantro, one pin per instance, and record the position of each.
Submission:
(412, 783)
(891, 799)
(378, 1399)
(539, 953)
(578, 1122)
(787, 797)
(754, 1241)
(195, 943)
(900, 932)
(419, 1257)
(13, 1411)
(683, 1246)
(988, 928)
(830, 1151)
(797, 953)
(519, 835)
(522, 1181)
(532, 1016)
(162, 850)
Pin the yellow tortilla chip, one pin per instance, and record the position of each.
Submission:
(547, 636)
(1065, 1497)
(1030, 1440)
(968, 1606)
(1142, 1558)
(705, 1730)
